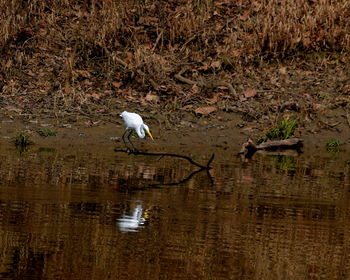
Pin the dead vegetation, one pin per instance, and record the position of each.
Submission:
(88, 56)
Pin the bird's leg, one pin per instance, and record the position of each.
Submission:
(123, 137)
(133, 147)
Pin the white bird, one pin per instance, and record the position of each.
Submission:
(134, 122)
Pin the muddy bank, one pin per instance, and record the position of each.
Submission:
(315, 94)
(219, 133)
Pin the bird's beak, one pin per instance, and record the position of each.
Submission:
(149, 133)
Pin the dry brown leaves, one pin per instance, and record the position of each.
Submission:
(205, 110)
(249, 93)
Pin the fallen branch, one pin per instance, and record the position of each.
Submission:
(249, 148)
(203, 82)
(190, 160)
(291, 143)
(179, 77)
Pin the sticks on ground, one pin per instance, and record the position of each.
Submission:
(204, 83)
(138, 71)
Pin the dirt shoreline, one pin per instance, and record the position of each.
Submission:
(220, 132)
(318, 96)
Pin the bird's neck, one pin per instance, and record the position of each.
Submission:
(140, 131)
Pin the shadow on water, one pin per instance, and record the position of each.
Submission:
(78, 214)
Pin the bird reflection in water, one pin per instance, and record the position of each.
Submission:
(132, 223)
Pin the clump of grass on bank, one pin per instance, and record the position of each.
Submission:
(284, 130)
(22, 140)
(333, 146)
(333, 143)
(46, 132)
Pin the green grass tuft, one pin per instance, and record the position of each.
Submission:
(332, 143)
(284, 130)
(22, 139)
(46, 132)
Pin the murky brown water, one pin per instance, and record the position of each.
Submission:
(69, 214)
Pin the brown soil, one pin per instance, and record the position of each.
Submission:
(201, 76)
(318, 98)
(222, 132)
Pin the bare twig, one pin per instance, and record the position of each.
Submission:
(225, 84)
(120, 61)
(331, 126)
(179, 77)
(188, 41)
(210, 160)
(157, 41)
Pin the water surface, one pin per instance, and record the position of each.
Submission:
(73, 214)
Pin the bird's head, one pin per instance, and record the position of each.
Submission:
(146, 128)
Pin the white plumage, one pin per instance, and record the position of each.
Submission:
(134, 122)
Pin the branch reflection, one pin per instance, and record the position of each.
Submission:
(161, 155)
(137, 152)
(184, 180)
